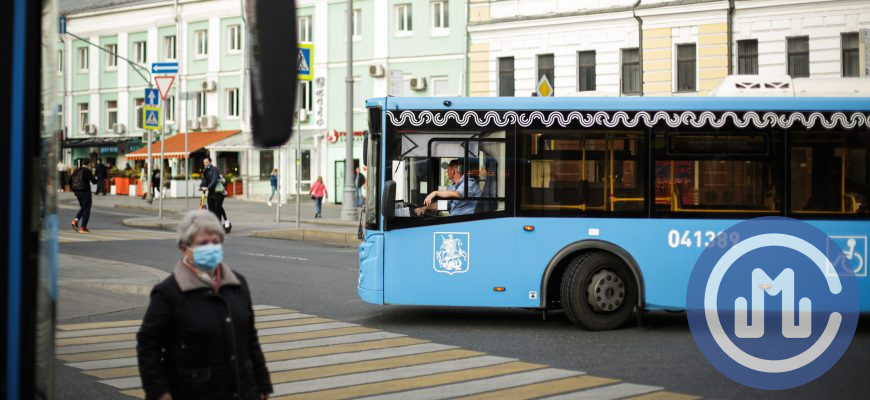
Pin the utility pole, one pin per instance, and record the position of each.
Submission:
(348, 207)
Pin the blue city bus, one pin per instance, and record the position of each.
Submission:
(597, 206)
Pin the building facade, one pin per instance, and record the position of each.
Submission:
(659, 47)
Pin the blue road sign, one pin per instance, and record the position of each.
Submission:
(304, 69)
(163, 68)
(152, 97)
(151, 118)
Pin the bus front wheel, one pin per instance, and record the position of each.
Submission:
(598, 291)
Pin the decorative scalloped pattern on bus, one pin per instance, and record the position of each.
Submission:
(631, 120)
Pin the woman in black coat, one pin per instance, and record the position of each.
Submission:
(198, 339)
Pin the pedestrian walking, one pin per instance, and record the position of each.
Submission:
(213, 184)
(198, 339)
(62, 175)
(273, 179)
(80, 182)
(359, 181)
(317, 193)
(155, 182)
(102, 174)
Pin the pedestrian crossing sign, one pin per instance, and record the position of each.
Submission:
(151, 118)
(304, 69)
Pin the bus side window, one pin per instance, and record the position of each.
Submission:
(829, 172)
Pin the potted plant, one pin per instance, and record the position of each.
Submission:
(122, 182)
(233, 185)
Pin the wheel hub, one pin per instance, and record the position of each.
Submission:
(605, 291)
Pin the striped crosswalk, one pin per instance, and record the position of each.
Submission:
(71, 236)
(310, 357)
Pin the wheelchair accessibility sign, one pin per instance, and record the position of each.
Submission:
(451, 252)
(778, 307)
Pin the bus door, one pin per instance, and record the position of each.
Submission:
(448, 242)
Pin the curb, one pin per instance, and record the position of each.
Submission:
(345, 239)
(167, 225)
(148, 208)
(339, 224)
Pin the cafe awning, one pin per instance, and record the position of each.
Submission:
(174, 145)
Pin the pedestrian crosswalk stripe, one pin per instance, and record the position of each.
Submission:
(310, 357)
(618, 391)
(483, 385)
(70, 236)
(415, 382)
(518, 389)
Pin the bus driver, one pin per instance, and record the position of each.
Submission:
(456, 191)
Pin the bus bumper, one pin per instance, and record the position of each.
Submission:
(371, 296)
(370, 286)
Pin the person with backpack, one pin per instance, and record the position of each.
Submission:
(213, 184)
(102, 174)
(80, 182)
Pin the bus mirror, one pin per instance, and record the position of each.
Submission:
(388, 203)
(271, 57)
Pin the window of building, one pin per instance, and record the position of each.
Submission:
(849, 44)
(829, 171)
(305, 168)
(723, 171)
(83, 117)
(546, 68)
(267, 163)
(199, 104)
(169, 108)
(111, 114)
(140, 52)
(234, 35)
(404, 20)
(169, 52)
(112, 56)
(232, 102)
(305, 94)
(599, 170)
(747, 57)
(304, 28)
(506, 76)
(83, 59)
(586, 71)
(686, 68)
(138, 105)
(630, 71)
(440, 16)
(440, 86)
(357, 24)
(201, 40)
(799, 57)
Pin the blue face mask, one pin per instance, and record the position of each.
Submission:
(208, 257)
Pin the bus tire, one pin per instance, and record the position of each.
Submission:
(598, 291)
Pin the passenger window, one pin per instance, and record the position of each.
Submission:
(829, 172)
(717, 172)
(571, 172)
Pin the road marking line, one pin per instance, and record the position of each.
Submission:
(305, 328)
(345, 358)
(484, 385)
(370, 365)
(535, 390)
(124, 383)
(96, 339)
(103, 364)
(97, 325)
(292, 322)
(84, 348)
(664, 396)
(138, 393)
(110, 373)
(315, 334)
(96, 332)
(617, 391)
(301, 344)
(417, 382)
(272, 311)
(263, 307)
(341, 348)
(280, 317)
(98, 355)
(387, 375)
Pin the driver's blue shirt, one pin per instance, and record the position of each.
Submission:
(462, 207)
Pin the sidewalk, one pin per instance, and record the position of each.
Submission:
(249, 218)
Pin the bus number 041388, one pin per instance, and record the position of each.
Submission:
(700, 238)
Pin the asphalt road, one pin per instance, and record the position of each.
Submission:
(321, 280)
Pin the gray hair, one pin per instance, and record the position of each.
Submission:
(197, 221)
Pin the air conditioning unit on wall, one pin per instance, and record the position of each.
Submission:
(376, 71)
(208, 122)
(418, 83)
(119, 129)
(91, 129)
(193, 124)
(209, 86)
(303, 115)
